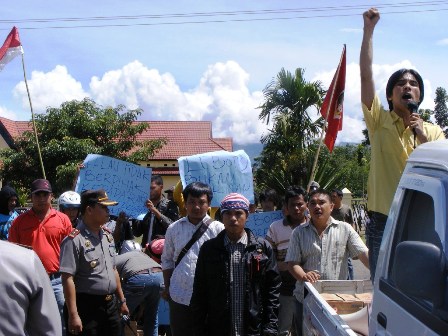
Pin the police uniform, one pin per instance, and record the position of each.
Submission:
(90, 259)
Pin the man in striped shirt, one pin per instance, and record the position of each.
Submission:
(319, 249)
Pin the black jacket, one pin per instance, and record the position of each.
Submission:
(211, 295)
(170, 214)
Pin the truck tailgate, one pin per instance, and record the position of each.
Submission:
(319, 317)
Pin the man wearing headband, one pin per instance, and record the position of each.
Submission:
(236, 285)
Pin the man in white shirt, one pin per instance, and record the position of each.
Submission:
(179, 267)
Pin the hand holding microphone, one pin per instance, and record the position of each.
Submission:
(416, 122)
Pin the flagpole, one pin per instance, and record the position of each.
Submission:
(313, 170)
(32, 118)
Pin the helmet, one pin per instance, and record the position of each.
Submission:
(130, 245)
(69, 199)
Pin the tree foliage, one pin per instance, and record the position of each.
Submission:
(67, 134)
(288, 100)
(441, 110)
(291, 144)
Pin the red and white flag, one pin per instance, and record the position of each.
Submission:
(11, 48)
(333, 104)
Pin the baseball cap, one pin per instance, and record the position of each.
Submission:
(41, 185)
(96, 196)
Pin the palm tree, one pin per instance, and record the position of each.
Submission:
(288, 100)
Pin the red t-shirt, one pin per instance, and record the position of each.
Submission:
(44, 237)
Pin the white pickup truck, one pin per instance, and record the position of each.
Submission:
(410, 296)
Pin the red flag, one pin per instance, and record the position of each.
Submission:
(333, 104)
(11, 48)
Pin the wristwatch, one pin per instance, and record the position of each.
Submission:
(121, 302)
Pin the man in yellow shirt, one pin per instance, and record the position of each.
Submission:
(393, 134)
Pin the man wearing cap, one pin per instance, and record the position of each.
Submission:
(142, 282)
(43, 228)
(92, 288)
(236, 286)
(162, 212)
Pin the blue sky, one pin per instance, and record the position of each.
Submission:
(215, 71)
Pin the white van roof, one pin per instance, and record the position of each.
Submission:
(433, 153)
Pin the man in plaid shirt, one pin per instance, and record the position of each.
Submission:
(236, 286)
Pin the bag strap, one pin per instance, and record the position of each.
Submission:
(196, 235)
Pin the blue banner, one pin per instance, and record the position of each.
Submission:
(259, 222)
(225, 172)
(124, 182)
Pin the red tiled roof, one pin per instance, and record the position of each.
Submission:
(10, 129)
(184, 138)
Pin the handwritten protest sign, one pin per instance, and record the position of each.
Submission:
(259, 222)
(124, 182)
(225, 172)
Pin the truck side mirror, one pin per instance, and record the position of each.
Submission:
(420, 271)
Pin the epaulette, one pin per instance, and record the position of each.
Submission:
(74, 233)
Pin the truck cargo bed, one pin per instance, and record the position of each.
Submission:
(319, 316)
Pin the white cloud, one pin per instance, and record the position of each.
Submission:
(443, 42)
(222, 96)
(49, 89)
(233, 109)
(5, 113)
(353, 123)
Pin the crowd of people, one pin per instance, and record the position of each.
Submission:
(217, 276)
(79, 271)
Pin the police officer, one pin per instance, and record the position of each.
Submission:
(92, 289)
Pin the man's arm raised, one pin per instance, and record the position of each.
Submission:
(371, 18)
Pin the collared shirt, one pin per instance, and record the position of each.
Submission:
(130, 263)
(177, 236)
(237, 275)
(44, 236)
(90, 258)
(327, 255)
(391, 145)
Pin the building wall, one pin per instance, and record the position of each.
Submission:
(3, 143)
(159, 163)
